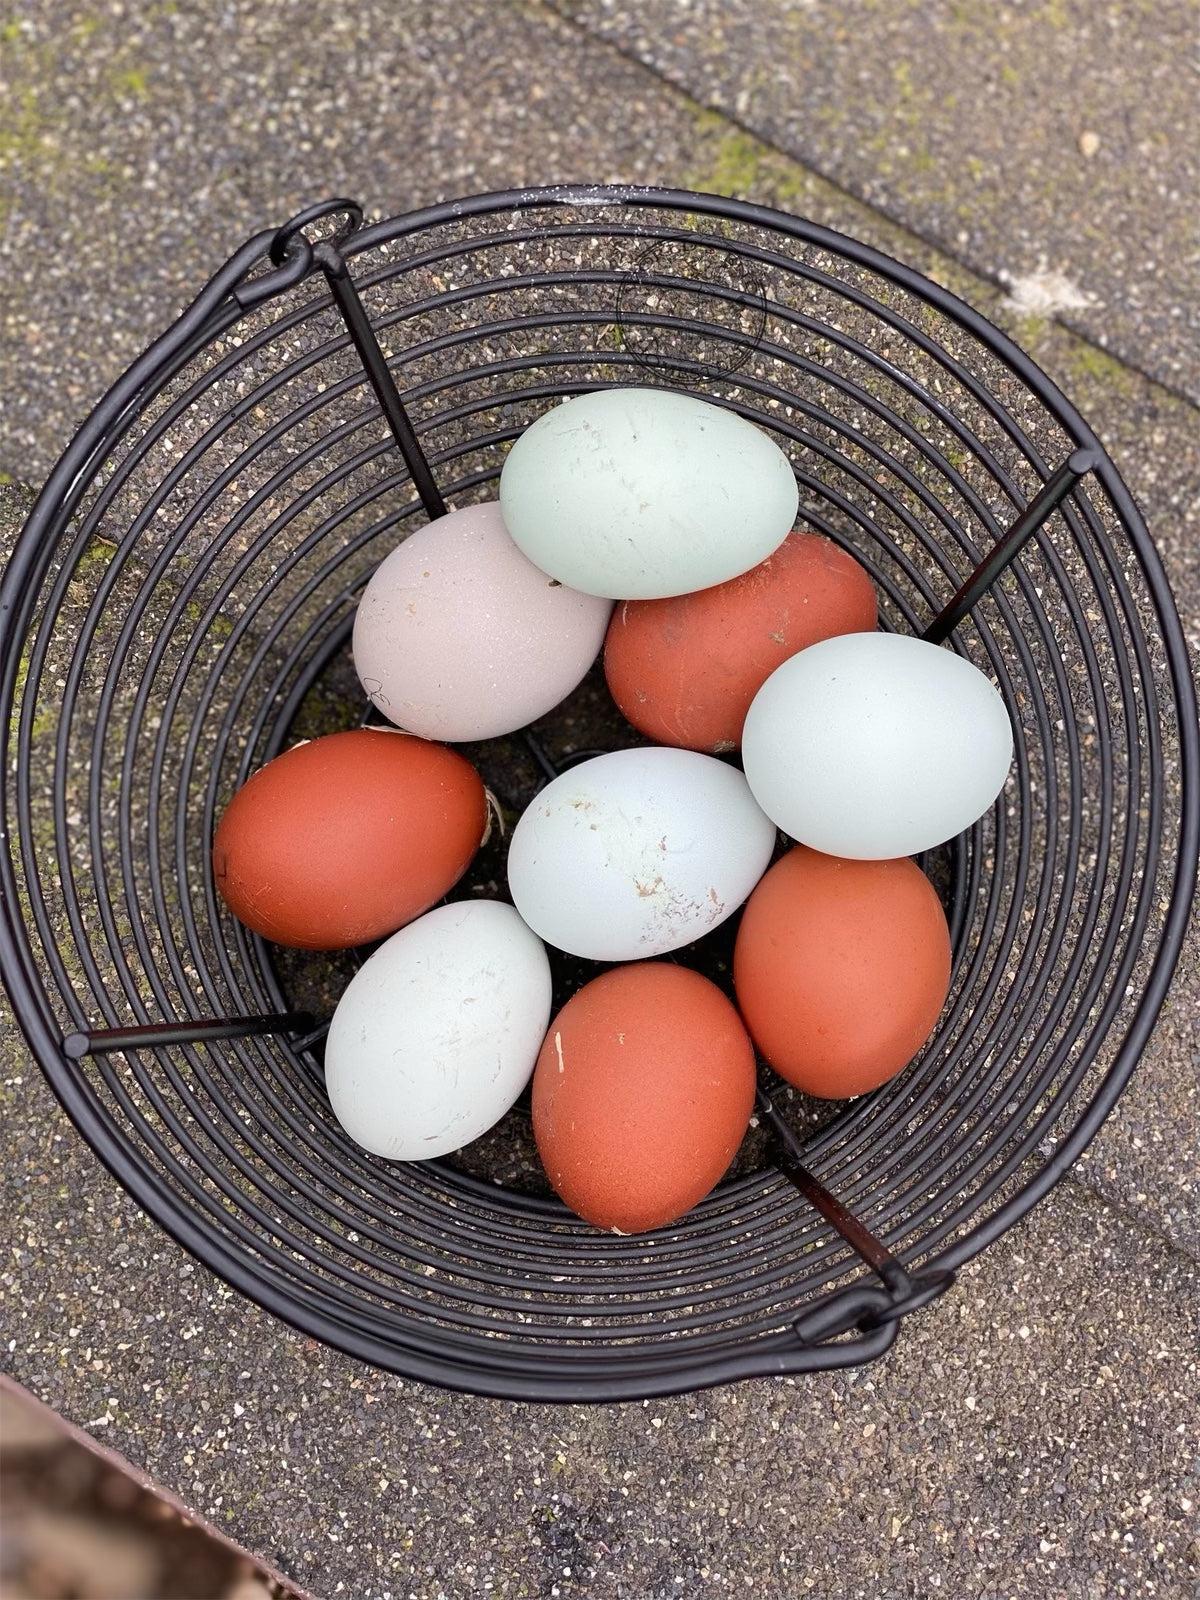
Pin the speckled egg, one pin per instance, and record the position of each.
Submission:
(637, 852)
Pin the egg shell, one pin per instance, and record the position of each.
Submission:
(841, 969)
(637, 852)
(641, 1095)
(876, 745)
(437, 1033)
(638, 493)
(684, 670)
(459, 636)
(342, 840)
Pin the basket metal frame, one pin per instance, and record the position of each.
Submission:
(852, 1324)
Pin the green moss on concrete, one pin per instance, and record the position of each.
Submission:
(94, 557)
(131, 82)
(736, 164)
(1089, 363)
(219, 627)
(36, 127)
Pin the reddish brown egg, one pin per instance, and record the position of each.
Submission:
(685, 670)
(342, 840)
(841, 969)
(641, 1095)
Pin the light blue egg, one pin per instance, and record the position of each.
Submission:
(876, 745)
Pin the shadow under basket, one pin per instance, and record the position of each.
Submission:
(178, 609)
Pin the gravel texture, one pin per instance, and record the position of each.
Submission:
(77, 1524)
(142, 142)
(1029, 1435)
(1055, 148)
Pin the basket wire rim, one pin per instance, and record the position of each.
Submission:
(70, 477)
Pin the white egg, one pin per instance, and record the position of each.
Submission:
(637, 852)
(438, 1031)
(642, 493)
(876, 745)
(459, 636)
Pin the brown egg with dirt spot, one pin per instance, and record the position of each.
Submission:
(684, 670)
(642, 1094)
(344, 839)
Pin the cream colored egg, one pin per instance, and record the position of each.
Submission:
(459, 636)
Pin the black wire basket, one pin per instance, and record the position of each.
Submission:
(178, 610)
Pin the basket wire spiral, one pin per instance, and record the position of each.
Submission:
(178, 610)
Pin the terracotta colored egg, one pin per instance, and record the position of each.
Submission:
(642, 1093)
(684, 670)
(841, 969)
(344, 839)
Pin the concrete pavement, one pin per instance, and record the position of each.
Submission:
(1030, 1435)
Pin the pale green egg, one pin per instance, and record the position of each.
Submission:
(637, 494)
